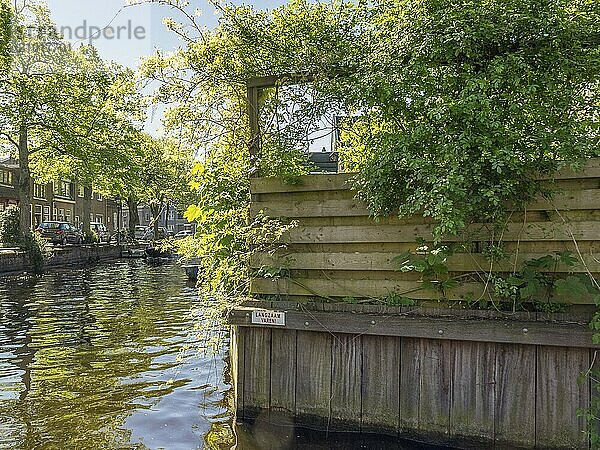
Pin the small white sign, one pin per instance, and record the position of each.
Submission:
(268, 318)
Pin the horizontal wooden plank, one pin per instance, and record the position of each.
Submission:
(568, 200)
(307, 183)
(324, 288)
(535, 231)
(327, 182)
(377, 261)
(591, 169)
(480, 330)
(309, 208)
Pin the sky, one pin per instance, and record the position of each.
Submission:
(137, 30)
(125, 33)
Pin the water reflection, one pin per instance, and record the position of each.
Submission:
(103, 358)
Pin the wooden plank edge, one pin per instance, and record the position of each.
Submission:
(477, 330)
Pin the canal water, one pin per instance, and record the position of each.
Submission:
(107, 358)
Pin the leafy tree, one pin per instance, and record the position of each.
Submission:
(60, 104)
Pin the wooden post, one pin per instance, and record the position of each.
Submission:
(254, 145)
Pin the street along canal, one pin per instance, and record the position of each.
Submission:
(107, 357)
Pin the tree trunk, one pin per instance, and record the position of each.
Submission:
(155, 209)
(87, 211)
(134, 217)
(24, 182)
(167, 217)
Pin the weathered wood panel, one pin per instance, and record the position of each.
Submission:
(380, 261)
(257, 371)
(515, 394)
(283, 370)
(313, 377)
(473, 390)
(437, 364)
(381, 357)
(559, 396)
(346, 382)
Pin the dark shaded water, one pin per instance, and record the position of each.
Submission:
(105, 357)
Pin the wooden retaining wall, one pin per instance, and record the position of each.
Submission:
(470, 378)
(337, 250)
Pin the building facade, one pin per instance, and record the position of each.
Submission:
(170, 218)
(58, 200)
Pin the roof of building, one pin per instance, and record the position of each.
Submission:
(325, 161)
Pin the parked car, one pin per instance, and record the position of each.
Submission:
(59, 233)
(100, 230)
(183, 234)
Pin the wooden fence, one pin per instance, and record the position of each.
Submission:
(338, 250)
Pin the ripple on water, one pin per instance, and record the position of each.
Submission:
(99, 358)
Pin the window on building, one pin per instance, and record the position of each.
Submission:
(81, 191)
(54, 214)
(2, 207)
(99, 218)
(46, 213)
(63, 189)
(99, 197)
(115, 219)
(68, 215)
(6, 177)
(77, 221)
(61, 215)
(39, 190)
(38, 215)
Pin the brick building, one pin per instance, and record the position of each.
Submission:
(58, 200)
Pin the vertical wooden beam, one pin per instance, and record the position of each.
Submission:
(410, 384)
(515, 394)
(257, 371)
(346, 380)
(381, 383)
(313, 378)
(473, 390)
(560, 396)
(253, 118)
(436, 386)
(283, 370)
(237, 368)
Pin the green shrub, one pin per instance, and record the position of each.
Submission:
(10, 235)
(91, 238)
(37, 250)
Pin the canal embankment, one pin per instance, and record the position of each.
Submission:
(14, 261)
